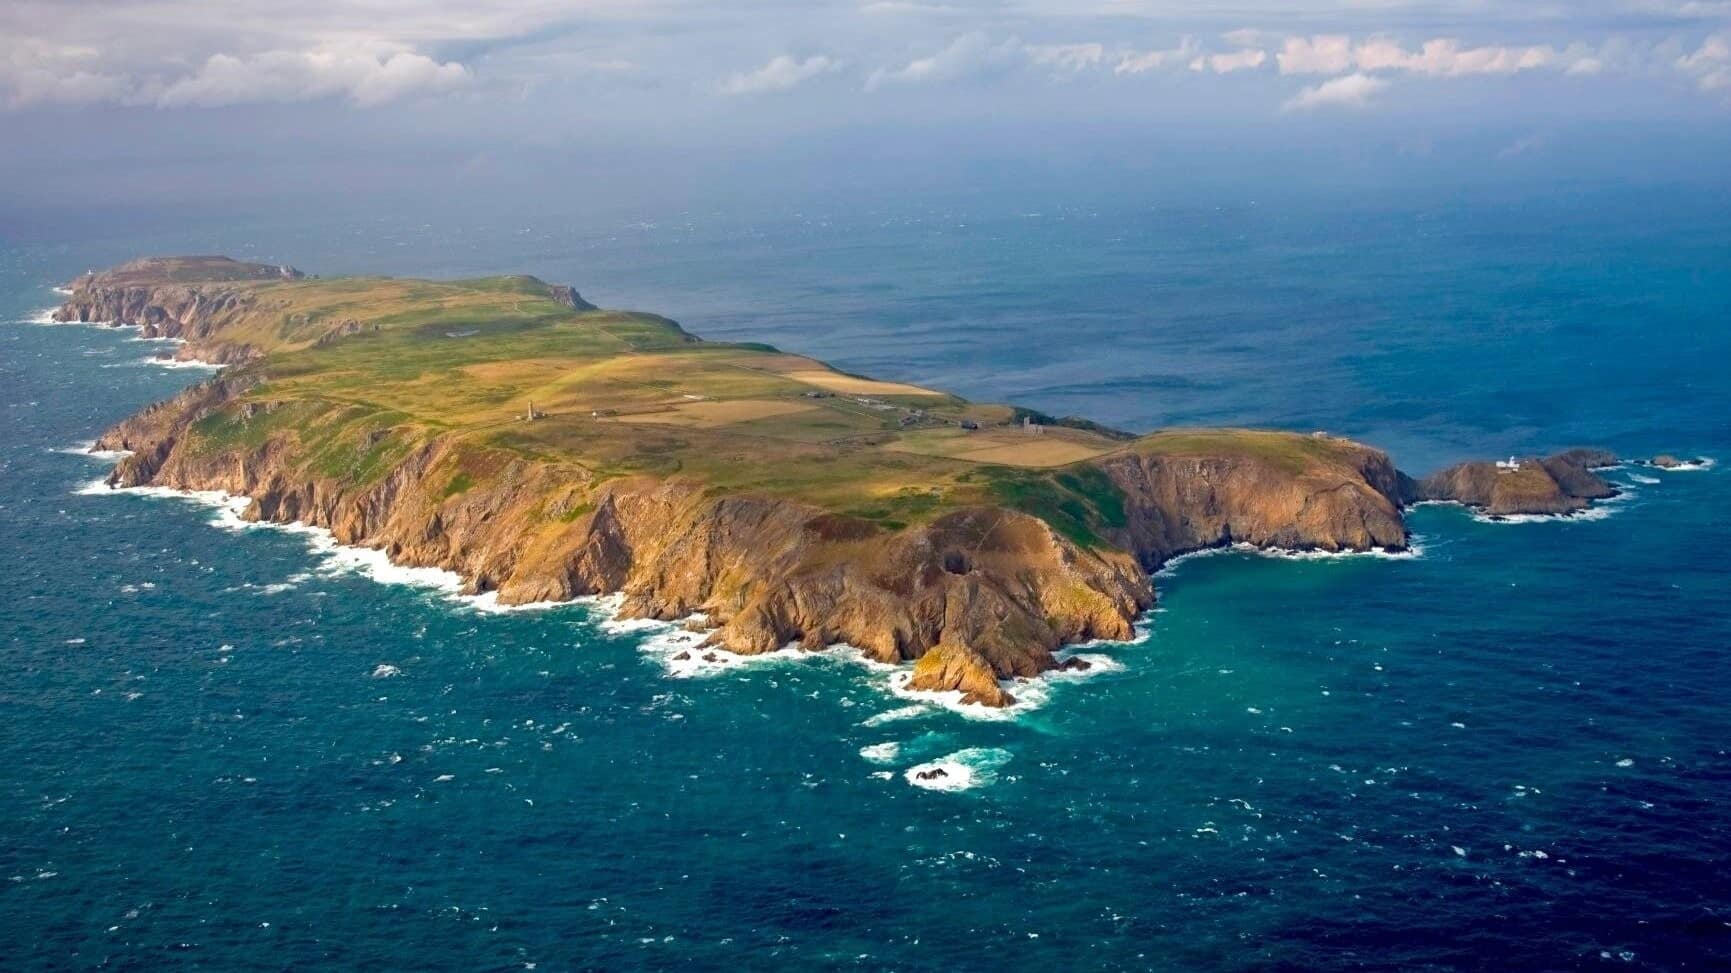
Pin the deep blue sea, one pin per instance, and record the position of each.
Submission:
(224, 749)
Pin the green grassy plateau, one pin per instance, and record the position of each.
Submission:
(361, 370)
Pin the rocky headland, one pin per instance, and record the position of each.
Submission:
(1559, 485)
(543, 449)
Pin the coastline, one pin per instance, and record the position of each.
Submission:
(1008, 562)
(45, 318)
(659, 640)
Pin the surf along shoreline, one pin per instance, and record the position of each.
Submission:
(1014, 565)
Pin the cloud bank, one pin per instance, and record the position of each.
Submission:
(180, 55)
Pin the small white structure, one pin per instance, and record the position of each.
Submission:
(1511, 464)
(1031, 427)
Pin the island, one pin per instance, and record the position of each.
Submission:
(545, 449)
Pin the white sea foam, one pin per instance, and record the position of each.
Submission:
(679, 648)
(385, 670)
(192, 363)
(63, 291)
(488, 603)
(882, 753)
(1598, 510)
(899, 713)
(88, 449)
(335, 558)
(1029, 694)
(1413, 551)
(1696, 465)
(1648, 480)
(1097, 665)
(960, 771)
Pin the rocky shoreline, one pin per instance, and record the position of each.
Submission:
(974, 597)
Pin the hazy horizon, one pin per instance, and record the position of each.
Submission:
(610, 106)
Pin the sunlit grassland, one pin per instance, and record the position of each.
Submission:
(360, 372)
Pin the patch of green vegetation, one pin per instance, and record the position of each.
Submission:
(507, 284)
(458, 484)
(909, 505)
(580, 510)
(1096, 489)
(1290, 451)
(1078, 502)
(250, 425)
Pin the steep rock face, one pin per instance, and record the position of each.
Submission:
(1555, 485)
(978, 594)
(193, 313)
(1184, 503)
(955, 667)
(567, 295)
(767, 572)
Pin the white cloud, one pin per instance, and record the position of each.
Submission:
(1446, 58)
(1440, 57)
(1347, 91)
(365, 77)
(175, 53)
(35, 72)
(780, 74)
(1323, 54)
(905, 7)
(1068, 58)
(971, 55)
(1230, 61)
(1709, 65)
(1134, 62)
(1246, 37)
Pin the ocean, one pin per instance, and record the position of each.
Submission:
(236, 748)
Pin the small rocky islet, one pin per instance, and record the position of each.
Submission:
(546, 449)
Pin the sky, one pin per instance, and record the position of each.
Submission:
(140, 101)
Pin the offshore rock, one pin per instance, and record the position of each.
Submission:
(1556, 485)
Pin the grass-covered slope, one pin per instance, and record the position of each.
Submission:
(364, 368)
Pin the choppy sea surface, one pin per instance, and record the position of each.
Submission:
(234, 748)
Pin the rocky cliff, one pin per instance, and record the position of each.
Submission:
(151, 295)
(997, 589)
(1347, 499)
(977, 595)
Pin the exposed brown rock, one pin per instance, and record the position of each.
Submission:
(950, 666)
(1176, 504)
(1561, 484)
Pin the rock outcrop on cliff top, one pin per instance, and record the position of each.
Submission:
(975, 570)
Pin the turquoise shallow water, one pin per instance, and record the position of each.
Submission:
(1506, 753)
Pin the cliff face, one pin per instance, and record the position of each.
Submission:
(1176, 504)
(1555, 485)
(998, 589)
(146, 293)
(976, 595)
